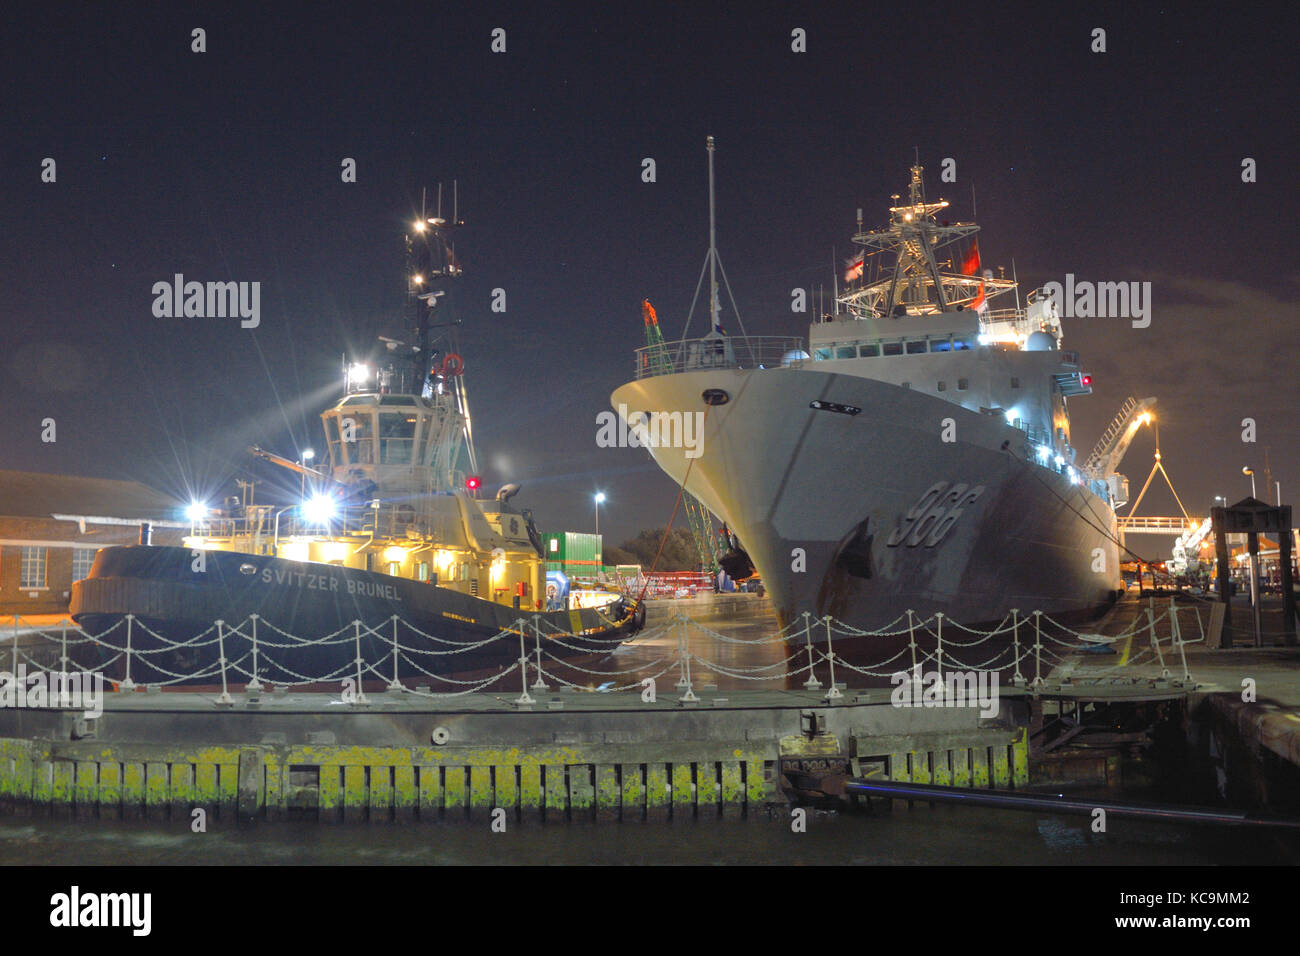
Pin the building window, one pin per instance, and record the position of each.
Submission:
(32, 572)
(82, 558)
(555, 545)
(962, 385)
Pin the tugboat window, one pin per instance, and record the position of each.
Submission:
(396, 433)
(822, 355)
(916, 348)
(893, 348)
(362, 449)
(869, 351)
(846, 351)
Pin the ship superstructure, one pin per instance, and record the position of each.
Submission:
(391, 533)
(913, 454)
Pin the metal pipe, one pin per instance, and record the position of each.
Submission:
(1058, 803)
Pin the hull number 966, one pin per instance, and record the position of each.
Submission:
(934, 514)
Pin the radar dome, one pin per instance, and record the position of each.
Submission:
(1040, 342)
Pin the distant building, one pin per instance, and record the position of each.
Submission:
(52, 525)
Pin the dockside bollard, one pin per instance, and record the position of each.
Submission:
(812, 683)
(225, 698)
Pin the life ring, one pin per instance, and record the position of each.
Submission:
(452, 364)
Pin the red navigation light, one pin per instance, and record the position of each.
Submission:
(1085, 379)
(472, 483)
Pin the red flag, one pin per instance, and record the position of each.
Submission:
(970, 264)
(854, 270)
(979, 303)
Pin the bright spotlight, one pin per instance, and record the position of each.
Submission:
(197, 511)
(308, 454)
(318, 510)
(600, 497)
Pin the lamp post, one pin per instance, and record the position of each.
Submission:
(599, 499)
(1250, 471)
(307, 455)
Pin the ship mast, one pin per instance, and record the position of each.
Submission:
(714, 305)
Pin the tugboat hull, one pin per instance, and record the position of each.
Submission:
(312, 622)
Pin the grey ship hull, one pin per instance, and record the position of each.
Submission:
(818, 499)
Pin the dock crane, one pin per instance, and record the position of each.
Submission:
(701, 521)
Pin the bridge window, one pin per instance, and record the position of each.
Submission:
(893, 348)
(361, 450)
(396, 433)
(846, 351)
(869, 351)
(961, 345)
(916, 347)
(821, 355)
(941, 345)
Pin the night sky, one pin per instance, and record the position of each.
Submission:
(225, 165)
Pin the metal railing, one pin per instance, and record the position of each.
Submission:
(731, 351)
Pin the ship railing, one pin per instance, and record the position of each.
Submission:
(718, 352)
(1028, 649)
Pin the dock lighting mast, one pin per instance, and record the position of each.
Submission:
(600, 498)
(1250, 471)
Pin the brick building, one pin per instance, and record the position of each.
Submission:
(51, 526)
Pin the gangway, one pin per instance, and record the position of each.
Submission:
(1114, 441)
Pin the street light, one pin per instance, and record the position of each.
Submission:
(600, 499)
(1250, 471)
(307, 455)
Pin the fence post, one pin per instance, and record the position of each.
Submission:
(684, 663)
(538, 684)
(938, 650)
(395, 685)
(834, 692)
(225, 697)
(1038, 650)
(127, 684)
(254, 684)
(1018, 679)
(911, 643)
(812, 683)
(523, 697)
(361, 694)
(63, 649)
(1177, 638)
(1155, 642)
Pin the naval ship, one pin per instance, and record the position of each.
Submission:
(392, 539)
(913, 455)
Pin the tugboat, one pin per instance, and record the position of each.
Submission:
(391, 545)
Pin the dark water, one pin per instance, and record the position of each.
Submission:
(938, 835)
